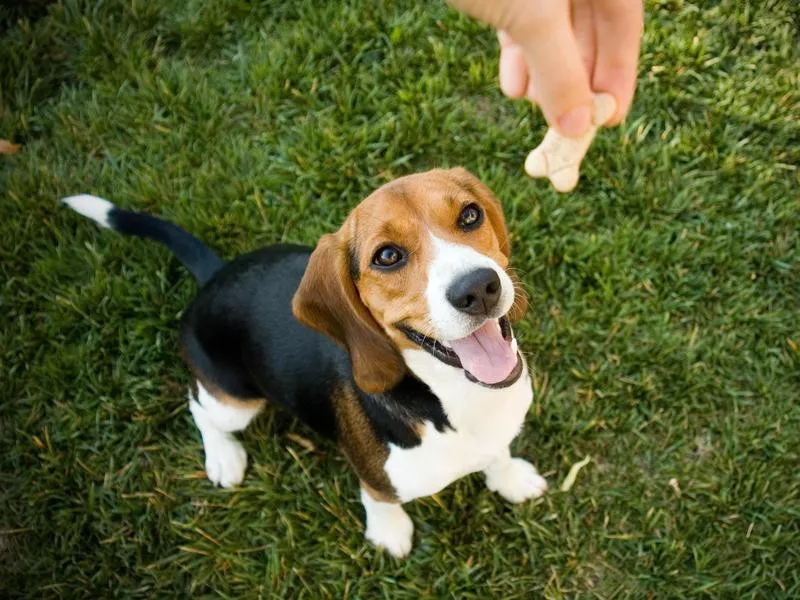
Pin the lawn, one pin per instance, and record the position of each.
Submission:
(663, 328)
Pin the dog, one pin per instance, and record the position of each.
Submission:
(392, 337)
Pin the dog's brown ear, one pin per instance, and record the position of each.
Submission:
(328, 301)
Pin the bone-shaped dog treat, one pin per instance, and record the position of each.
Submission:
(559, 158)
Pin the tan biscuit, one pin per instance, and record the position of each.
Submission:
(559, 158)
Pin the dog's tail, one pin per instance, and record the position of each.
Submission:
(195, 255)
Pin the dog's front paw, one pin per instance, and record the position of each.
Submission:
(226, 460)
(391, 529)
(516, 480)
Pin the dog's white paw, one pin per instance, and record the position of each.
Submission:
(388, 526)
(226, 460)
(393, 531)
(516, 480)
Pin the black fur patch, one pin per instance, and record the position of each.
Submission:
(241, 335)
(395, 415)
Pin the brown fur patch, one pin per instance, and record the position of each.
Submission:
(377, 495)
(357, 441)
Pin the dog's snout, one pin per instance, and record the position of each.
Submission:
(475, 293)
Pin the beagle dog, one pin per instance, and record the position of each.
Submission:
(393, 337)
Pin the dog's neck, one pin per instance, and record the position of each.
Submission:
(468, 405)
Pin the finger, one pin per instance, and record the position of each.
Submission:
(513, 70)
(584, 27)
(532, 94)
(555, 64)
(619, 26)
(505, 43)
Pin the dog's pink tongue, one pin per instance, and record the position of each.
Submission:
(485, 354)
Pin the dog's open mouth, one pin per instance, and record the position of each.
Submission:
(487, 355)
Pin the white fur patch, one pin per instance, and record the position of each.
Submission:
(484, 422)
(388, 526)
(226, 459)
(95, 208)
(451, 261)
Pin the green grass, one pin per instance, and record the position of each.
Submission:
(664, 323)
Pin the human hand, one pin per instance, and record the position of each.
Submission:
(557, 52)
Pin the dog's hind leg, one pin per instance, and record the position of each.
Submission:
(217, 417)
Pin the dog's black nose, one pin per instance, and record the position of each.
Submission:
(475, 293)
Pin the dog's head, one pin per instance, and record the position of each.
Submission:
(421, 263)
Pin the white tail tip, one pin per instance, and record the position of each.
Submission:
(97, 209)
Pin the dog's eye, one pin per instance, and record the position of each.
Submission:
(388, 256)
(471, 217)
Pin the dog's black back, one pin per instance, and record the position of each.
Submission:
(241, 334)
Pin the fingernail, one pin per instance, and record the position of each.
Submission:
(575, 122)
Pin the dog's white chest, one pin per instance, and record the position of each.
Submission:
(484, 422)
